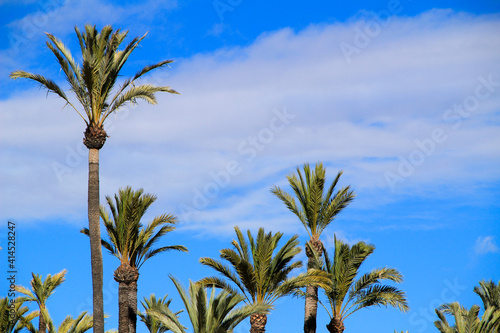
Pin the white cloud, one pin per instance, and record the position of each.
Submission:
(485, 245)
(364, 117)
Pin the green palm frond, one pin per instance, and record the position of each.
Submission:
(129, 240)
(159, 308)
(13, 315)
(347, 294)
(260, 267)
(467, 320)
(489, 292)
(92, 82)
(316, 208)
(215, 313)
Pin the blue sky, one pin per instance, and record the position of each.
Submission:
(404, 96)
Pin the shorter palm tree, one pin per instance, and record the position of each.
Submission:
(347, 295)
(41, 291)
(80, 324)
(13, 316)
(209, 314)
(467, 321)
(260, 271)
(161, 306)
(133, 244)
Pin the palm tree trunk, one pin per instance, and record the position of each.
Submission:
(42, 326)
(258, 323)
(311, 306)
(95, 241)
(335, 326)
(127, 277)
(132, 306)
(311, 309)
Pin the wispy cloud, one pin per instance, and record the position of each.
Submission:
(363, 117)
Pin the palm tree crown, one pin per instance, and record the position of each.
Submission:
(159, 306)
(209, 314)
(260, 269)
(40, 292)
(316, 208)
(129, 240)
(93, 82)
(13, 316)
(347, 295)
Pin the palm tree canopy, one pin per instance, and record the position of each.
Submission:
(129, 240)
(317, 206)
(347, 295)
(13, 316)
(93, 80)
(211, 314)
(259, 268)
(41, 290)
(161, 307)
(467, 321)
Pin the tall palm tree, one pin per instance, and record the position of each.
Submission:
(467, 321)
(316, 209)
(209, 314)
(489, 293)
(92, 84)
(260, 271)
(13, 316)
(161, 305)
(133, 244)
(40, 292)
(347, 295)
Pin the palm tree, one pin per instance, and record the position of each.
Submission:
(316, 210)
(258, 275)
(162, 306)
(132, 243)
(12, 315)
(467, 321)
(80, 324)
(92, 84)
(489, 293)
(215, 314)
(40, 292)
(347, 295)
